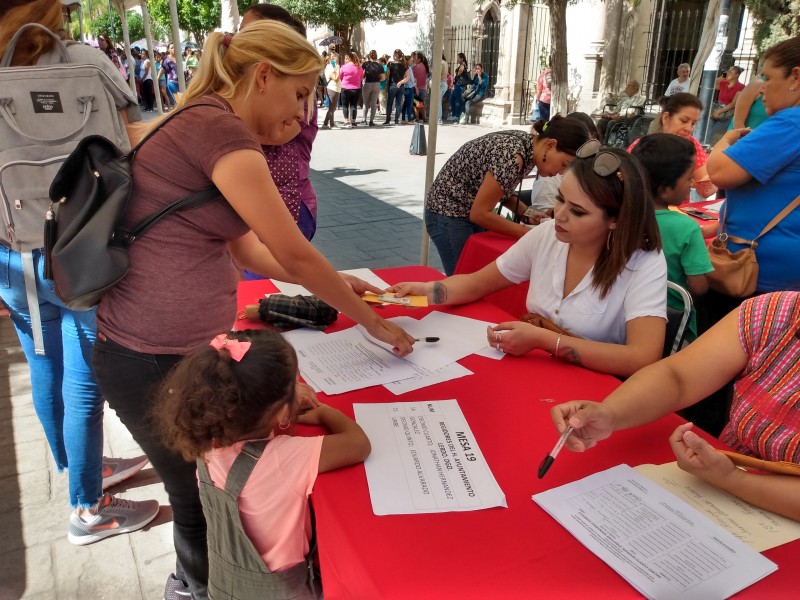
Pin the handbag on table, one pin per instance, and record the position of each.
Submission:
(736, 273)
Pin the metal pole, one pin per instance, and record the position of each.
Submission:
(148, 36)
(176, 39)
(710, 69)
(111, 19)
(126, 38)
(436, 77)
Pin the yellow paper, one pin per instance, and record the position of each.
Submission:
(757, 527)
(390, 298)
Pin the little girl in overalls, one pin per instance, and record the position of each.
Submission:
(219, 406)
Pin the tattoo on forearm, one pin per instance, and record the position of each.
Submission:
(570, 355)
(439, 293)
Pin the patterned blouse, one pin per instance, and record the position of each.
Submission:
(456, 185)
(765, 415)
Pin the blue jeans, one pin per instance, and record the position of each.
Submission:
(65, 396)
(408, 107)
(172, 89)
(449, 235)
(394, 98)
(455, 101)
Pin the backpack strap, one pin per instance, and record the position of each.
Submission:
(190, 202)
(12, 45)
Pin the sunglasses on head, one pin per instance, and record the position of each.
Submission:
(605, 163)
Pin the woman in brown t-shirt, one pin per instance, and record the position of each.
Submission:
(181, 288)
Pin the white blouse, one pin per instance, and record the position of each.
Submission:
(639, 291)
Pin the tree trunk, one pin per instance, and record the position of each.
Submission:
(558, 35)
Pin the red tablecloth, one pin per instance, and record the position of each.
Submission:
(511, 553)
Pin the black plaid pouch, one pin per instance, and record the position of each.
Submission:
(287, 312)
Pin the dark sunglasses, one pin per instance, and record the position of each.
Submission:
(605, 163)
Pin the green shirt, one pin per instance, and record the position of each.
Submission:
(686, 254)
(191, 62)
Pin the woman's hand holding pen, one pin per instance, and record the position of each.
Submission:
(591, 422)
(698, 457)
(513, 337)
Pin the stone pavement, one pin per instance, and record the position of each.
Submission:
(371, 197)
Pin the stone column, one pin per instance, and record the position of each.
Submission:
(593, 60)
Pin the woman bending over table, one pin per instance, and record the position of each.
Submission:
(180, 290)
(757, 344)
(596, 272)
(485, 171)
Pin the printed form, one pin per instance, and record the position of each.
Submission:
(425, 459)
(662, 546)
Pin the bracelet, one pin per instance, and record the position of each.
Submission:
(558, 343)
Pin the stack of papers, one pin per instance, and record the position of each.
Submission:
(351, 359)
(661, 545)
(294, 289)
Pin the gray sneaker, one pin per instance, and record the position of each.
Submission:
(114, 516)
(176, 589)
(119, 469)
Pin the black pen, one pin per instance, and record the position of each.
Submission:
(548, 460)
(427, 339)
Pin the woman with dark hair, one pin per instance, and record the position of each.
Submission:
(396, 72)
(421, 71)
(148, 91)
(487, 170)
(679, 117)
(460, 81)
(760, 171)
(598, 279)
(373, 75)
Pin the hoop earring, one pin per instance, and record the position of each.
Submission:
(284, 425)
(608, 239)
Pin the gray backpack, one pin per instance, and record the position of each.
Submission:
(45, 110)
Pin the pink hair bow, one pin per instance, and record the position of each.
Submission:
(236, 348)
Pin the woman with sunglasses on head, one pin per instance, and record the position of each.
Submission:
(485, 171)
(598, 278)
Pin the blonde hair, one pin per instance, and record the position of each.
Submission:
(222, 69)
(33, 43)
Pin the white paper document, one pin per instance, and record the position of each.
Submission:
(466, 328)
(450, 347)
(344, 361)
(662, 546)
(426, 377)
(294, 289)
(425, 459)
(714, 208)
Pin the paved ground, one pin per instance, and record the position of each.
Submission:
(371, 198)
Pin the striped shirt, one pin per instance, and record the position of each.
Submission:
(765, 415)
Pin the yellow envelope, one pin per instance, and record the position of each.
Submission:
(390, 298)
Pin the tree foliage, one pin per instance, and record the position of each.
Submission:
(343, 16)
(776, 21)
(102, 24)
(198, 17)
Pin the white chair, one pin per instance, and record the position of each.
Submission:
(677, 321)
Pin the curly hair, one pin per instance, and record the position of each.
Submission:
(210, 400)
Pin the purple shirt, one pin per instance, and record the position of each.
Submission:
(290, 166)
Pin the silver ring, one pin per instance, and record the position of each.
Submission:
(496, 337)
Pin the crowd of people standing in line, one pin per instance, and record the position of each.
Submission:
(398, 87)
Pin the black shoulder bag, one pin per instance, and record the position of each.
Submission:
(86, 252)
